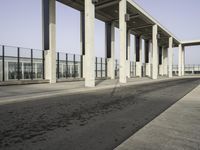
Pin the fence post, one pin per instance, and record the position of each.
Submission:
(66, 65)
(81, 65)
(101, 68)
(3, 63)
(106, 67)
(96, 67)
(58, 65)
(74, 65)
(31, 64)
(43, 64)
(18, 63)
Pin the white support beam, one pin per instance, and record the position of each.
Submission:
(82, 41)
(165, 61)
(183, 61)
(49, 39)
(123, 32)
(139, 61)
(89, 44)
(111, 60)
(150, 59)
(170, 57)
(128, 53)
(155, 52)
(162, 60)
(180, 60)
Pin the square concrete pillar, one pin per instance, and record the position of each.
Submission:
(183, 61)
(111, 49)
(138, 44)
(148, 57)
(82, 40)
(155, 52)
(180, 60)
(49, 38)
(89, 65)
(161, 70)
(170, 73)
(128, 53)
(165, 62)
(123, 32)
(134, 57)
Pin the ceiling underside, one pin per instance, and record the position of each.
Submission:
(139, 24)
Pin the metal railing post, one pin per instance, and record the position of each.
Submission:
(101, 68)
(43, 65)
(81, 65)
(106, 67)
(3, 63)
(74, 59)
(18, 63)
(58, 65)
(66, 65)
(96, 67)
(31, 64)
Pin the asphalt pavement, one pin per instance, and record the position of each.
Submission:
(97, 120)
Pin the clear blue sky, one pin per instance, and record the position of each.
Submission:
(21, 25)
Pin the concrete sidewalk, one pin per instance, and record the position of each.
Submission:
(17, 93)
(178, 128)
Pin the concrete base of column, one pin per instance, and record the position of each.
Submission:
(148, 69)
(111, 68)
(138, 69)
(50, 66)
(161, 70)
(128, 69)
(83, 66)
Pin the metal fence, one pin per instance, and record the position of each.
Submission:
(116, 68)
(100, 67)
(69, 66)
(189, 70)
(132, 69)
(17, 63)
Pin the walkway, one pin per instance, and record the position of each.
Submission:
(177, 128)
(9, 94)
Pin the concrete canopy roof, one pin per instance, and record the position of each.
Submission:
(140, 21)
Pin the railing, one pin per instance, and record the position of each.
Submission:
(144, 70)
(100, 67)
(189, 70)
(17, 63)
(132, 69)
(116, 68)
(69, 66)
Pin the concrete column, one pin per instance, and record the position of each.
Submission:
(111, 59)
(49, 38)
(123, 32)
(183, 61)
(82, 40)
(89, 44)
(162, 64)
(165, 61)
(155, 52)
(147, 57)
(138, 44)
(170, 57)
(150, 59)
(134, 57)
(180, 60)
(128, 53)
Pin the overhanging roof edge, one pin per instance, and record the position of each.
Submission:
(134, 4)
